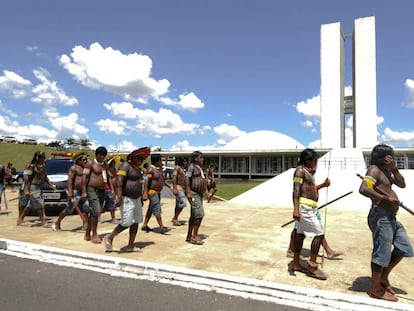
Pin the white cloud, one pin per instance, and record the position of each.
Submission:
(49, 93)
(186, 102)
(112, 126)
(397, 138)
(150, 122)
(68, 126)
(13, 85)
(409, 100)
(227, 133)
(125, 75)
(310, 108)
(184, 145)
(5, 111)
(123, 146)
(307, 123)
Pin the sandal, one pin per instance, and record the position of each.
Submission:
(176, 222)
(334, 255)
(388, 288)
(301, 269)
(96, 240)
(146, 229)
(387, 296)
(196, 241)
(315, 272)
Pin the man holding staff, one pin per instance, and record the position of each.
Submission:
(390, 240)
(305, 212)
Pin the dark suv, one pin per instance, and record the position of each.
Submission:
(57, 170)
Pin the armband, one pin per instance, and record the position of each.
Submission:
(122, 172)
(371, 181)
(298, 180)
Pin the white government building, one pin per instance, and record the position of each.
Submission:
(272, 154)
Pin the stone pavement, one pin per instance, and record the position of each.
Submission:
(240, 242)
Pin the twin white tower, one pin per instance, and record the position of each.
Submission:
(362, 104)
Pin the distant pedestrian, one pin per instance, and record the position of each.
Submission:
(3, 182)
(196, 183)
(129, 198)
(153, 185)
(94, 180)
(179, 187)
(9, 172)
(211, 183)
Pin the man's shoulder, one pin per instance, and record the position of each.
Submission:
(299, 171)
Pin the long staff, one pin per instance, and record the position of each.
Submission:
(384, 193)
(326, 210)
(322, 206)
(23, 195)
(5, 199)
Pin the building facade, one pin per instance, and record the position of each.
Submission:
(362, 104)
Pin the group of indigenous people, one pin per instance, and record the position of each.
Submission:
(92, 184)
(390, 240)
(132, 184)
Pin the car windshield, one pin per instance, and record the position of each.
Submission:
(58, 166)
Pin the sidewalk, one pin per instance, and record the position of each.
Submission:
(240, 242)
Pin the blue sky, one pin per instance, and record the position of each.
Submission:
(188, 74)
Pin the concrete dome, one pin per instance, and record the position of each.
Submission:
(263, 140)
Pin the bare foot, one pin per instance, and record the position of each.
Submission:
(56, 227)
(20, 222)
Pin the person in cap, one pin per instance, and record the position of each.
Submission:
(34, 177)
(94, 180)
(129, 198)
(153, 185)
(74, 192)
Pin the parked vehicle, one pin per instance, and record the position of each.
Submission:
(29, 141)
(9, 139)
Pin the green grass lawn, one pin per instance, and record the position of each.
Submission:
(230, 188)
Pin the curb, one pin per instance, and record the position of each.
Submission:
(288, 295)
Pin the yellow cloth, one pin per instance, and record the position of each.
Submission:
(308, 202)
(371, 181)
(152, 191)
(298, 180)
(122, 172)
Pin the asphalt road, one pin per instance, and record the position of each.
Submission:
(31, 285)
